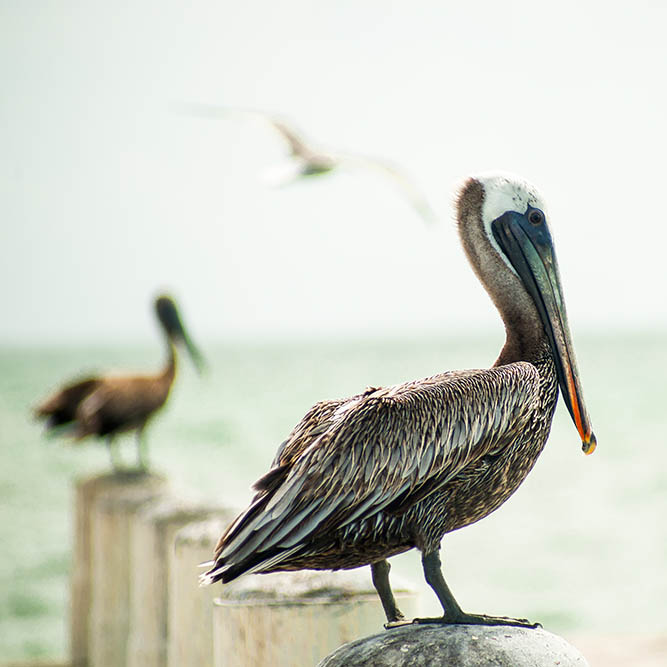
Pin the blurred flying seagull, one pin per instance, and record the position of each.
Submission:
(308, 161)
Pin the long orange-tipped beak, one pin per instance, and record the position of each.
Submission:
(575, 403)
(589, 444)
(526, 240)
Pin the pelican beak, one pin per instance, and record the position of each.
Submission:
(173, 326)
(526, 241)
(196, 356)
(179, 334)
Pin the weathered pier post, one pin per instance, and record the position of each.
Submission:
(104, 507)
(85, 491)
(296, 618)
(460, 645)
(190, 640)
(153, 533)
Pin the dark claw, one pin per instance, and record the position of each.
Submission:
(479, 619)
(397, 624)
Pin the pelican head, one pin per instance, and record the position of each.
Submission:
(171, 322)
(504, 229)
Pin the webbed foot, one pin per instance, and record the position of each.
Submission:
(478, 619)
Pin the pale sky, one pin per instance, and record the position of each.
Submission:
(107, 196)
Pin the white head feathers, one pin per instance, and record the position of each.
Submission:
(506, 192)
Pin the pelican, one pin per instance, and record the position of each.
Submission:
(391, 469)
(305, 160)
(111, 404)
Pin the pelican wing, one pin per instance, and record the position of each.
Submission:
(69, 395)
(317, 420)
(380, 450)
(119, 403)
(60, 408)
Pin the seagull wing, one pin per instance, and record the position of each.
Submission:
(398, 177)
(297, 145)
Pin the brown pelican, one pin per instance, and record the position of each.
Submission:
(364, 478)
(111, 404)
(307, 161)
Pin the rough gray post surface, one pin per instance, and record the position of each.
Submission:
(457, 646)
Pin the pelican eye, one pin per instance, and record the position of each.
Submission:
(536, 217)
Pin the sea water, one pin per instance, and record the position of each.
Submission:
(581, 546)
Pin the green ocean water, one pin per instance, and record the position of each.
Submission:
(581, 547)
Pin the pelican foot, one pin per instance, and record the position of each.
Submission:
(478, 619)
(397, 624)
(127, 472)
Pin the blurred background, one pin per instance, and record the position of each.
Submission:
(318, 289)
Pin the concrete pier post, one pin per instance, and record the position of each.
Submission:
(296, 618)
(190, 640)
(104, 508)
(460, 645)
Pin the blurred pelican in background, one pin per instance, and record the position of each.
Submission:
(107, 405)
(305, 160)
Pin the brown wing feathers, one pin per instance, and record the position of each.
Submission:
(383, 450)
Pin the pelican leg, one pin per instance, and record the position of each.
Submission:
(113, 453)
(142, 450)
(380, 575)
(453, 614)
